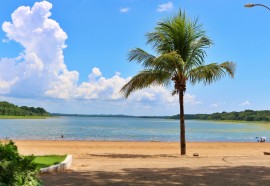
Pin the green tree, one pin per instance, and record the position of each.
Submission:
(15, 169)
(180, 47)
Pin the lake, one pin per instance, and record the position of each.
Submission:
(129, 129)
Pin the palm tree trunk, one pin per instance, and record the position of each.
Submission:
(182, 124)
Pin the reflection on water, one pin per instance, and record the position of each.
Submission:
(128, 129)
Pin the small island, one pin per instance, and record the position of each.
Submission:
(11, 111)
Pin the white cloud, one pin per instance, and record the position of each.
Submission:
(165, 7)
(101, 88)
(95, 73)
(152, 94)
(5, 85)
(191, 99)
(246, 103)
(39, 71)
(124, 10)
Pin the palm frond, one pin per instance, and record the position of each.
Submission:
(211, 73)
(141, 56)
(169, 62)
(161, 39)
(229, 67)
(197, 53)
(145, 79)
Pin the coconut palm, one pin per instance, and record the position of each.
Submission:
(180, 45)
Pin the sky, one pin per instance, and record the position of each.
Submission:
(70, 56)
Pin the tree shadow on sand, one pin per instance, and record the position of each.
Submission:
(240, 175)
(117, 156)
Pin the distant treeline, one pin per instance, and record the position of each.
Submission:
(247, 115)
(107, 115)
(9, 109)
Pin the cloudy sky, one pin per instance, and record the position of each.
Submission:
(71, 56)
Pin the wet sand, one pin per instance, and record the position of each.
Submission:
(155, 163)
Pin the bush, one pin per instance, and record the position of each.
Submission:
(16, 170)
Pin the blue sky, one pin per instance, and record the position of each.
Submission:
(71, 56)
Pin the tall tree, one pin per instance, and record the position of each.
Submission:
(179, 44)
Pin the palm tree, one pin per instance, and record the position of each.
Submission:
(180, 47)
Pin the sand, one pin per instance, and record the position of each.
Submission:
(155, 163)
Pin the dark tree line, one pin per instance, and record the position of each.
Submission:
(9, 109)
(247, 115)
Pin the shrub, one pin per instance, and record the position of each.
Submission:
(16, 170)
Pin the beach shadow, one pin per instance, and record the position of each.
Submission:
(212, 175)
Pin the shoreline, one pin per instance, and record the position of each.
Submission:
(134, 141)
(74, 140)
(148, 147)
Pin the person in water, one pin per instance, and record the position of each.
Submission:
(261, 139)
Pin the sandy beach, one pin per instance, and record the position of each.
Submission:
(155, 163)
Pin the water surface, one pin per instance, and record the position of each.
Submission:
(129, 129)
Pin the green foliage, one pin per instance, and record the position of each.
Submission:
(247, 115)
(16, 170)
(9, 109)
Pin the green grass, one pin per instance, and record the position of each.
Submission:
(48, 160)
(23, 117)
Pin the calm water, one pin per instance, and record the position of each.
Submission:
(128, 129)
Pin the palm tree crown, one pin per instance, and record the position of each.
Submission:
(180, 47)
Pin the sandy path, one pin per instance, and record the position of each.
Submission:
(156, 163)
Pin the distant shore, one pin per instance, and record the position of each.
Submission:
(24, 117)
(158, 163)
(187, 117)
